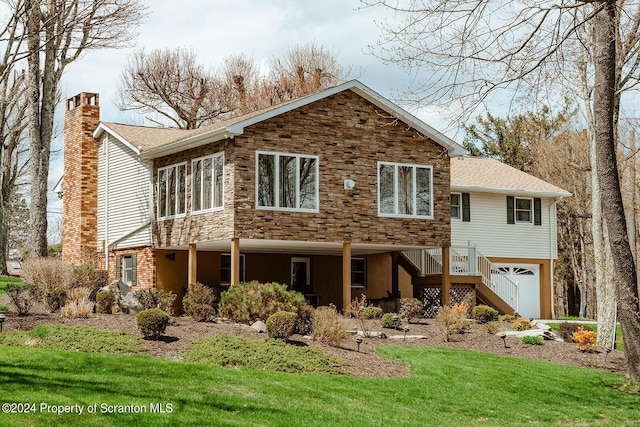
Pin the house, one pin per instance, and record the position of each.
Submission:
(330, 194)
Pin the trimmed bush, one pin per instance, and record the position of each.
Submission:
(391, 321)
(411, 308)
(567, 329)
(532, 340)
(152, 322)
(199, 295)
(54, 299)
(281, 325)
(105, 301)
(329, 327)
(522, 324)
(21, 296)
(484, 314)
(372, 312)
(155, 298)
(304, 324)
(248, 302)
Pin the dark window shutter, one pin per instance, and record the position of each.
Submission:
(510, 213)
(134, 268)
(466, 207)
(118, 260)
(537, 211)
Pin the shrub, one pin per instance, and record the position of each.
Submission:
(248, 302)
(411, 308)
(356, 310)
(87, 276)
(450, 321)
(281, 325)
(484, 314)
(54, 299)
(372, 312)
(46, 273)
(509, 318)
(391, 321)
(522, 324)
(105, 300)
(304, 324)
(199, 295)
(462, 308)
(585, 338)
(531, 340)
(329, 327)
(567, 330)
(152, 322)
(155, 298)
(21, 296)
(77, 309)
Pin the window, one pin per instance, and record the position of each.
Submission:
(172, 191)
(126, 268)
(404, 190)
(287, 182)
(358, 273)
(456, 207)
(225, 268)
(300, 274)
(207, 183)
(521, 210)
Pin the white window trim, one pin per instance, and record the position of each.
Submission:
(277, 186)
(216, 208)
(123, 270)
(515, 210)
(396, 190)
(180, 215)
(459, 217)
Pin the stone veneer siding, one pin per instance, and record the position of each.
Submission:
(80, 200)
(350, 135)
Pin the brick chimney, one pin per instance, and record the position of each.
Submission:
(80, 190)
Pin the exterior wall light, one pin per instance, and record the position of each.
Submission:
(349, 184)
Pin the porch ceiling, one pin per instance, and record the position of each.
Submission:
(294, 247)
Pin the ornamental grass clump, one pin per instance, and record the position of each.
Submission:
(522, 324)
(152, 323)
(329, 327)
(78, 305)
(248, 302)
(449, 322)
(281, 325)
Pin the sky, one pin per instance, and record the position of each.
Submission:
(260, 29)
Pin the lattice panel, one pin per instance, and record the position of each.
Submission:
(432, 299)
(463, 293)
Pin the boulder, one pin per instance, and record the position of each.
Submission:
(259, 326)
(125, 300)
(546, 334)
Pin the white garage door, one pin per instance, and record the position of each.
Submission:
(528, 278)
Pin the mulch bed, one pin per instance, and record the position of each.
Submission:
(182, 332)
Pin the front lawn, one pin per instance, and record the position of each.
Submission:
(446, 387)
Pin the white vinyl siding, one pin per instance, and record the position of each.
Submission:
(488, 229)
(124, 193)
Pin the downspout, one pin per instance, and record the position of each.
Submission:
(106, 205)
(551, 249)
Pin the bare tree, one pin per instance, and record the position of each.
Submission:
(473, 48)
(57, 33)
(172, 84)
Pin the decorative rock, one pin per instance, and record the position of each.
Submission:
(409, 337)
(259, 326)
(546, 334)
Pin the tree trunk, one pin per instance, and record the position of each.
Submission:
(625, 276)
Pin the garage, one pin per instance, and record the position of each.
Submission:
(527, 276)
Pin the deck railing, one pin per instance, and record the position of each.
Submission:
(466, 261)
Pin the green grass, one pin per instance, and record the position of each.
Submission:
(446, 387)
(74, 338)
(271, 355)
(4, 280)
